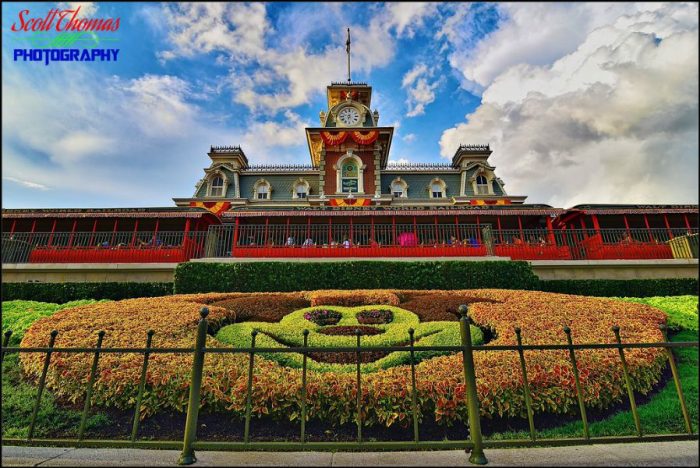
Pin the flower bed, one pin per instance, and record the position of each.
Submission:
(323, 316)
(331, 393)
(375, 316)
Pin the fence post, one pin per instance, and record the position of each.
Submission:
(5, 342)
(142, 386)
(677, 381)
(91, 382)
(477, 457)
(526, 385)
(187, 456)
(42, 382)
(628, 382)
(579, 390)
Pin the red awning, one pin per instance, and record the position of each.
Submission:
(604, 211)
(77, 214)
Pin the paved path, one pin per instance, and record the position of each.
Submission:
(638, 454)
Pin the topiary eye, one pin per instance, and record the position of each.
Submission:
(375, 316)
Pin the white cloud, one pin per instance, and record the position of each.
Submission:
(275, 142)
(420, 90)
(394, 162)
(411, 137)
(27, 183)
(615, 120)
(245, 36)
(87, 9)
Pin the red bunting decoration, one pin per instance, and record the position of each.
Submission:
(359, 137)
(365, 138)
(350, 202)
(333, 138)
(215, 207)
(489, 202)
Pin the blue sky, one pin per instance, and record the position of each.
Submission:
(581, 103)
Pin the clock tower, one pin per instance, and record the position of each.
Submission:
(349, 148)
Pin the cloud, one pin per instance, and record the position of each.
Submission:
(420, 91)
(613, 121)
(275, 142)
(411, 137)
(87, 9)
(269, 73)
(27, 183)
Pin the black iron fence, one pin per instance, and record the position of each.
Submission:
(473, 441)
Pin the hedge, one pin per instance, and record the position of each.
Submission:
(65, 292)
(309, 276)
(623, 288)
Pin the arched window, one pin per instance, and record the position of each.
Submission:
(399, 188)
(482, 185)
(349, 176)
(216, 189)
(437, 189)
(301, 190)
(263, 192)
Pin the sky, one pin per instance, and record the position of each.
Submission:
(580, 102)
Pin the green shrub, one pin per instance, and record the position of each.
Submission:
(19, 315)
(310, 276)
(289, 332)
(682, 311)
(623, 288)
(65, 292)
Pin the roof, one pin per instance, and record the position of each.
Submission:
(537, 210)
(164, 212)
(634, 209)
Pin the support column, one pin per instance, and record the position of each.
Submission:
(373, 238)
(267, 224)
(133, 236)
(646, 223)
(500, 232)
(668, 227)
(308, 228)
(457, 236)
(287, 232)
(14, 222)
(92, 235)
(520, 229)
(237, 188)
(583, 226)
(155, 233)
(437, 240)
(351, 232)
(550, 231)
(235, 236)
(377, 172)
(596, 226)
(478, 229)
(687, 224)
(330, 230)
(31, 237)
(72, 233)
(393, 224)
(415, 228)
(114, 231)
(627, 226)
(53, 229)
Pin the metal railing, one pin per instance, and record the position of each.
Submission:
(102, 247)
(349, 240)
(473, 443)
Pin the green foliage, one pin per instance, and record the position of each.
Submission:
(64, 292)
(289, 332)
(626, 288)
(682, 311)
(310, 276)
(18, 400)
(19, 315)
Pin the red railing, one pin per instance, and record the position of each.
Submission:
(363, 241)
(102, 247)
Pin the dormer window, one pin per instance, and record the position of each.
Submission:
(399, 188)
(437, 189)
(482, 186)
(216, 187)
(301, 189)
(261, 190)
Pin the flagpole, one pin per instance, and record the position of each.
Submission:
(347, 49)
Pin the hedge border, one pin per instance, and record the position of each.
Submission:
(308, 276)
(65, 292)
(195, 277)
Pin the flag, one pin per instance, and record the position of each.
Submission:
(347, 43)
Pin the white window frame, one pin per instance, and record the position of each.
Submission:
(404, 188)
(482, 188)
(442, 184)
(295, 189)
(360, 174)
(211, 186)
(262, 183)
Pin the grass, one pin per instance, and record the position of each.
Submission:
(18, 400)
(661, 415)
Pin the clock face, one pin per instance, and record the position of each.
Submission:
(349, 116)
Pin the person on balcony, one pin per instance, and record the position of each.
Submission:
(517, 240)
(373, 243)
(308, 242)
(452, 241)
(290, 241)
(346, 242)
